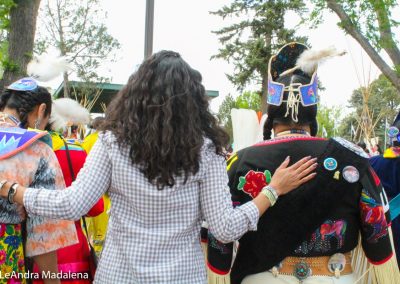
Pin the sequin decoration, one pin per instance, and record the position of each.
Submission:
(329, 236)
(373, 217)
(352, 147)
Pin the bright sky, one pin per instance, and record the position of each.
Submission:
(186, 27)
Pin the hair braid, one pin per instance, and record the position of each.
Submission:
(25, 102)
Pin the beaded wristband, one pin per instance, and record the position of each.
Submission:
(270, 188)
(268, 193)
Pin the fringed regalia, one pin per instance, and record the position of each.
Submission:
(311, 234)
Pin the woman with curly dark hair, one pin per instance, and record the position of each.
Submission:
(160, 158)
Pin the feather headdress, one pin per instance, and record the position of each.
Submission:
(67, 112)
(46, 67)
(309, 60)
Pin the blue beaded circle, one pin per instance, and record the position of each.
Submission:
(330, 164)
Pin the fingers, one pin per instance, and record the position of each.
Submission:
(307, 178)
(284, 164)
(299, 163)
(307, 168)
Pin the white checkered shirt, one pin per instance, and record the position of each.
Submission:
(153, 236)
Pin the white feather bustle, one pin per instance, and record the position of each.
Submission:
(46, 67)
(308, 61)
(66, 112)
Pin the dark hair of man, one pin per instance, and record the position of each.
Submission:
(96, 123)
(276, 114)
(162, 115)
(24, 102)
(362, 145)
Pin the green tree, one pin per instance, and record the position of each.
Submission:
(247, 100)
(259, 33)
(5, 7)
(348, 127)
(328, 120)
(77, 29)
(224, 114)
(371, 24)
(383, 102)
(18, 26)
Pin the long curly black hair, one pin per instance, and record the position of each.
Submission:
(162, 115)
(25, 101)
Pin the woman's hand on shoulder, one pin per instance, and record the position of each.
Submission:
(286, 179)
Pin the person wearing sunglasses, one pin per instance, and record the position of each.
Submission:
(26, 157)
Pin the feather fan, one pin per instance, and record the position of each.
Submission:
(67, 111)
(46, 67)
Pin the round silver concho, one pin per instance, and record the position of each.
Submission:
(336, 263)
(352, 147)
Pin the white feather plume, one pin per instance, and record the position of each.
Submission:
(46, 67)
(67, 111)
(308, 61)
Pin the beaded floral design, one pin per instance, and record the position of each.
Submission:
(253, 182)
(11, 251)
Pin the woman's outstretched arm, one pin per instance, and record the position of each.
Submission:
(92, 182)
(227, 223)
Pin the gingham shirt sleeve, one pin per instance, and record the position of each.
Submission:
(226, 223)
(91, 183)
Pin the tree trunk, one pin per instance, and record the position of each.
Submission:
(21, 38)
(62, 47)
(349, 27)
(264, 82)
(385, 30)
(264, 93)
(65, 85)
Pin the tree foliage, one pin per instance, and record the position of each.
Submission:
(258, 33)
(383, 102)
(17, 34)
(371, 23)
(247, 100)
(76, 28)
(5, 7)
(328, 119)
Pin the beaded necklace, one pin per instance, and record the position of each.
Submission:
(292, 131)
